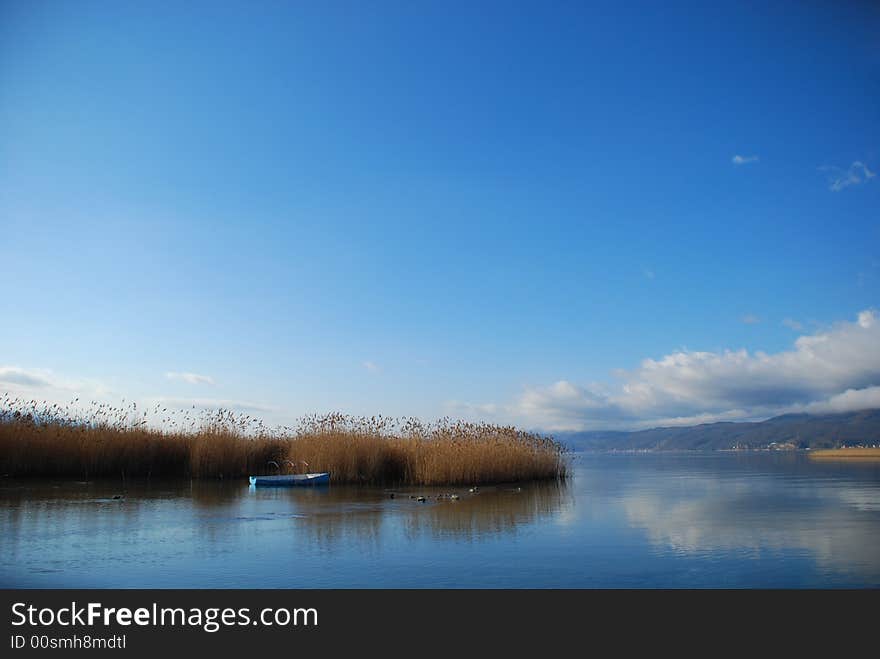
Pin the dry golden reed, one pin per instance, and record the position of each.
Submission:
(37, 439)
(856, 453)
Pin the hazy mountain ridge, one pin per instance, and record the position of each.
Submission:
(860, 428)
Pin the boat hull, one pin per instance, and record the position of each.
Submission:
(291, 480)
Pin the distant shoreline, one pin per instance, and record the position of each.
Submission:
(848, 453)
(789, 432)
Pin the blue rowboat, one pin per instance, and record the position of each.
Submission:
(291, 480)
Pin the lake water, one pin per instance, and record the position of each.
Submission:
(647, 520)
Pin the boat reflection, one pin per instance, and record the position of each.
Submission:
(222, 511)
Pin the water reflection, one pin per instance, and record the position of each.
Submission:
(87, 526)
(494, 511)
(725, 506)
(335, 515)
(634, 521)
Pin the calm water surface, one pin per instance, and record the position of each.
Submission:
(650, 520)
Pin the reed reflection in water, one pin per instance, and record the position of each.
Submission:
(90, 533)
(670, 520)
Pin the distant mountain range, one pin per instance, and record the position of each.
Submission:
(786, 432)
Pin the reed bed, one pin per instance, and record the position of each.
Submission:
(855, 453)
(37, 439)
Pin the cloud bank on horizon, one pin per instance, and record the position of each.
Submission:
(834, 370)
(43, 385)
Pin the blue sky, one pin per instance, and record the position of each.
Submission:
(488, 210)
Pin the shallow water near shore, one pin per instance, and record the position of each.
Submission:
(646, 520)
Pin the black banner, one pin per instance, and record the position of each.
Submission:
(233, 622)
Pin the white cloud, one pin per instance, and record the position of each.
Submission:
(45, 384)
(12, 375)
(190, 378)
(213, 404)
(850, 400)
(370, 366)
(744, 160)
(750, 319)
(839, 178)
(793, 324)
(472, 410)
(832, 370)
